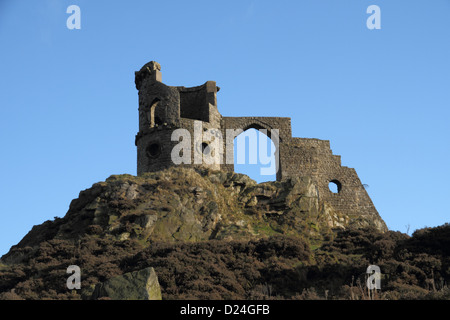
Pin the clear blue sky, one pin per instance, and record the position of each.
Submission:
(68, 112)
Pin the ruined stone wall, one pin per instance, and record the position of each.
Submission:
(305, 157)
(313, 158)
(199, 139)
(162, 109)
(280, 124)
(154, 150)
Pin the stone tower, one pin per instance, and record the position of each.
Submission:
(162, 109)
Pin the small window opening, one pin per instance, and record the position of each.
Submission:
(154, 150)
(335, 186)
(205, 148)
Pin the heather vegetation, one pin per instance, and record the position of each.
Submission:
(217, 235)
(278, 267)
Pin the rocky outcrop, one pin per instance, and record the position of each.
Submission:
(119, 228)
(183, 204)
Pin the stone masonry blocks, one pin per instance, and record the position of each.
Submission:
(162, 109)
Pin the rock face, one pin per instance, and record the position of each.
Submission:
(185, 204)
(117, 230)
(138, 285)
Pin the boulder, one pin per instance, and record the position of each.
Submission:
(137, 285)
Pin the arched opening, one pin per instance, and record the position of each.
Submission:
(153, 119)
(255, 155)
(335, 186)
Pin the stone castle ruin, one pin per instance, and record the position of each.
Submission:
(163, 109)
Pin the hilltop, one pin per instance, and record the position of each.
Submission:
(216, 235)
